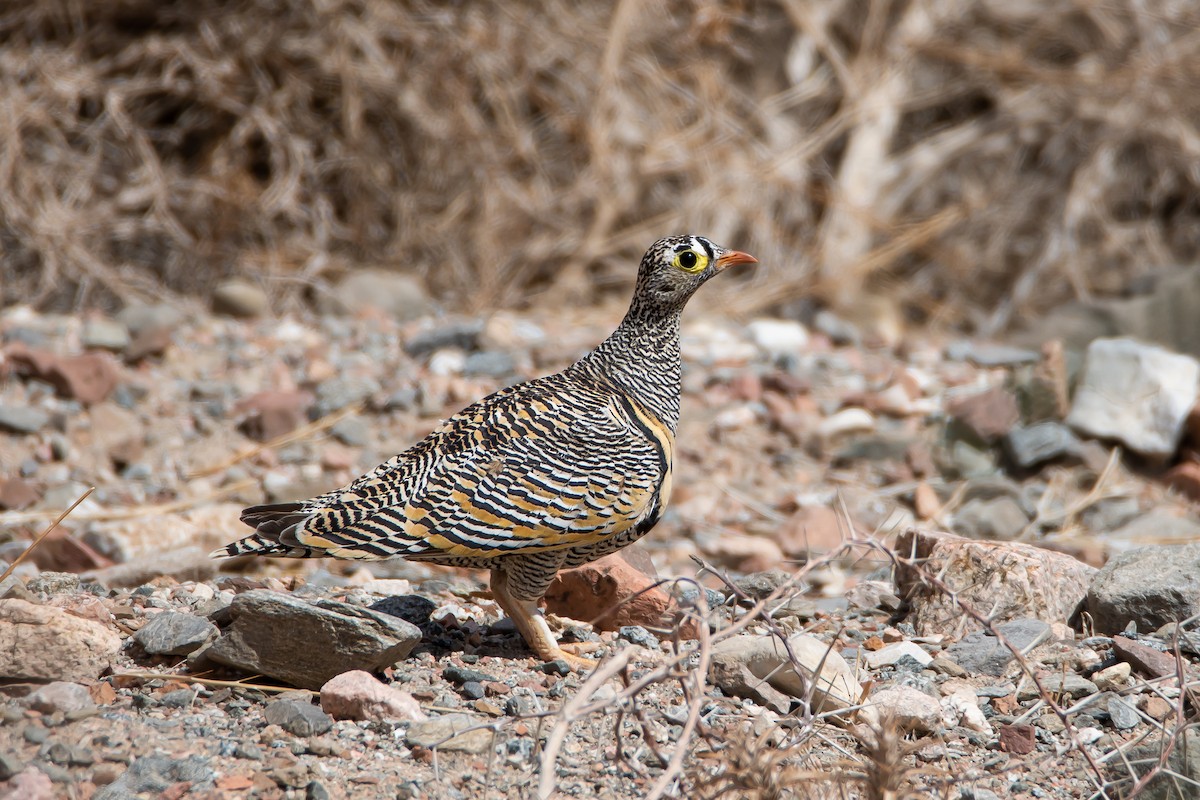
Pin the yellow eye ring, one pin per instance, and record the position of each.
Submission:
(690, 261)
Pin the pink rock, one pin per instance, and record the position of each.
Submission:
(45, 643)
(1003, 580)
(359, 695)
(88, 378)
(61, 696)
(28, 784)
(16, 493)
(610, 593)
(989, 414)
(271, 414)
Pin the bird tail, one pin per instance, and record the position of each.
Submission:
(274, 533)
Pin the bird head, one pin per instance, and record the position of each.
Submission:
(675, 267)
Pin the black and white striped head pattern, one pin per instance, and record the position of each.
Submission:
(676, 266)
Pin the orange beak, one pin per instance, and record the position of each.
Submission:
(733, 257)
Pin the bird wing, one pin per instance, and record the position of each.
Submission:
(530, 468)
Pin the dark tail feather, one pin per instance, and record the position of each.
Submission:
(270, 522)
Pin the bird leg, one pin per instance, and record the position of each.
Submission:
(532, 625)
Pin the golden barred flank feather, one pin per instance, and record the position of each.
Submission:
(536, 477)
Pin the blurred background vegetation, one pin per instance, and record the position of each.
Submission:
(955, 162)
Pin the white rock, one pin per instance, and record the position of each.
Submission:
(886, 656)
(849, 420)
(1135, 393)
(449, 361)
(778, 337)
(962, 708)
(836, 686)
(910, 709)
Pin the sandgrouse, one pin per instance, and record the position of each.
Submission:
(539, 476)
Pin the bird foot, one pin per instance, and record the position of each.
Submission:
(577, 662)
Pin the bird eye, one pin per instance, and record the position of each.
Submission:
(690, 261)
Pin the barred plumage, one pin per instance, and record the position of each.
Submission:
(539, 476)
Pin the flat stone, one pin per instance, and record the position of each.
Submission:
(45, 643)
(1124, 713)
(1147, 660)
(273, 413)
(988, 415)
(153, 774)
(89, 378)
(890, 654)
(463, 335)
(1150, 587)
(1057, 683)
(176, 634)
(440, 732)
(16, 493)
(298, 717)
(1037, 444)
(61, 696)
(980, 652)
(22, 419)
(305, 644)
(399, 296)
(908, 708)
(1158, 527)
(1007, 580)
(778, 337)
(352, 431)
(836, 685)
(983, 354)
(102, 333)
(998, 518)
(489, 364)
(359, 695)
(1135, 393)
(240, 298)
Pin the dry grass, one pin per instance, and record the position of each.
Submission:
(968, 160)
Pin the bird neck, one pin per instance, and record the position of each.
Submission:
(642, 358)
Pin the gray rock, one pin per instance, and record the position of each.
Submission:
(9, 765)
(336, 394)
(759, 585)
(239, 298)
(297, 717)
(1057, 683)
(1150, 586)
(636, 634)
(172, 633)
(440, 732)
(1037, 444)
(1135, 393)
(464, 335)
(889, 654)
(991, 355)
(980, 652)
(1110, 513)
(1156, 527)
(490, 364)
(402, 297)
(60, 696)
(22, 419)
(1123, 713)
(1178, 780)
(153, 774)
(138, 318)
(352, 431)
(105, 334)
(837, 329)
(307, 644)
(1000, 519)
(50, 583)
